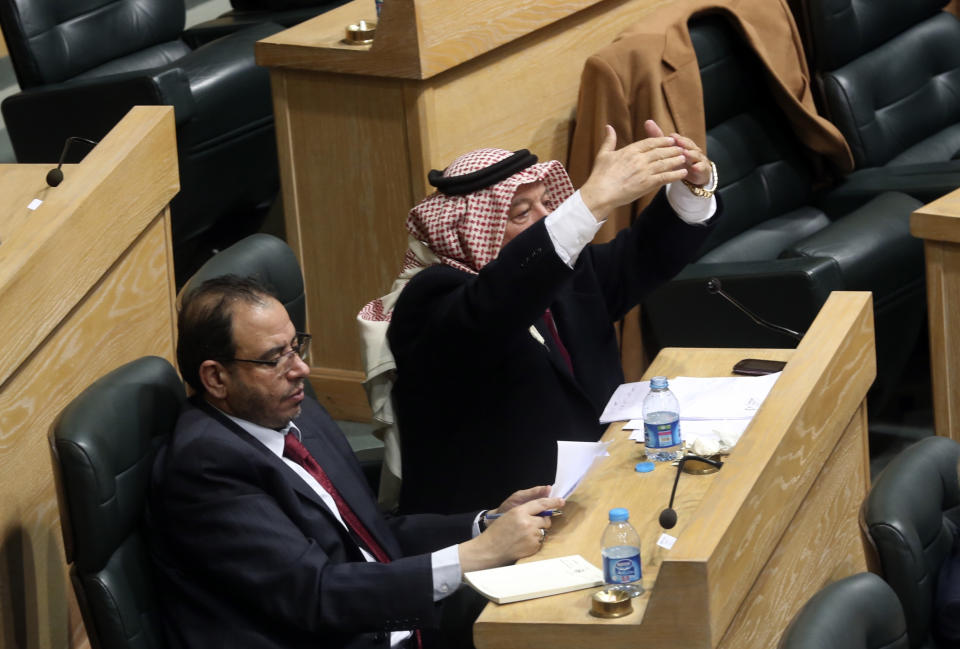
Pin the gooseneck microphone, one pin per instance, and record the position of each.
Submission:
(714, 286)
(55, 176)
(668, 517)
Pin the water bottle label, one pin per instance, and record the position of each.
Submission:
(624, 570)
(662, 435)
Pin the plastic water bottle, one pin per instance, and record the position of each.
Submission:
(661, 422)
(621, 554)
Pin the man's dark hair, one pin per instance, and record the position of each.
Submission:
(205, 320)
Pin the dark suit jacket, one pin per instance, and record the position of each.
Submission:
(947, 600)
(480, 402)
(249, 556)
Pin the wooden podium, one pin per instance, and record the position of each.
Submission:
(86, 283)
(755, 540)
(938, 224)
(359, 128)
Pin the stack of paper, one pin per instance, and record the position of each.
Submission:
(535, 579)
(710, 408)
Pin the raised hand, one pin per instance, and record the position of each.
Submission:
(621, 176)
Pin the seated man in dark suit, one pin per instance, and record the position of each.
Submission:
(501, 324)
(264, 532)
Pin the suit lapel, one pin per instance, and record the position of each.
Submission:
(294, 480)
(681, 84)
(350, 483)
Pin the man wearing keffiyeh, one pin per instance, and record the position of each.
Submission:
(497, 339)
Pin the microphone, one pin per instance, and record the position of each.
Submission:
(55, 176)
(668, 517)
(714, 286)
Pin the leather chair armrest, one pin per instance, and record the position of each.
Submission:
(88, 108)
(211, 30)
(872, 247)
(786, 292)
(926, 182)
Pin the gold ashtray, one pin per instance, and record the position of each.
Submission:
(611, 603)
(361, 33)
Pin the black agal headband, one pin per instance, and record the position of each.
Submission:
(471, 182)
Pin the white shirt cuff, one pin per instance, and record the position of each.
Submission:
(446, 571)
(689, 207)
(571, 227)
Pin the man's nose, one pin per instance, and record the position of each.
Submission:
(299, 367)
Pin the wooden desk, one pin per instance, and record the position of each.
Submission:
(938, 224)
(86, 283)
(755, 540)
(359, 128)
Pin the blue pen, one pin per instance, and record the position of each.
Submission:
(548, 512)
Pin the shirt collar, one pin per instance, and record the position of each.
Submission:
(272, 439)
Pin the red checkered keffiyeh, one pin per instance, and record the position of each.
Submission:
(465, 232)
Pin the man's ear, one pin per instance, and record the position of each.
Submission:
(213, 375)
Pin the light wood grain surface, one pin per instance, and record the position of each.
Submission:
(791, 486)
(356, 144)
(87, 284)
(938, 224)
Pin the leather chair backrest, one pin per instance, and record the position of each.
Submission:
(907, 516)
(889, 75)
(267, 258)
(764, 171)
(55, 40)
(842, 30)
(858, 612)
(103, 445)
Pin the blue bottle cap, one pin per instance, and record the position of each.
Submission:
(618, 514)
(658, 383)
(644, 467)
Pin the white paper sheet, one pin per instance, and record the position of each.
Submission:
(573, 461)
(729, 397)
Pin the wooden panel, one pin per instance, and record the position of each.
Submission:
(939, 220)
(345, 145)
(124, 316)
(938, 223)
(822, 544)
(417, 39)
(732, 525)
(98, 210)
(524, 95)
(813, 403)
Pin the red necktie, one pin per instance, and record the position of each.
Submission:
(296, 451)
(552, 328)
(293, 449)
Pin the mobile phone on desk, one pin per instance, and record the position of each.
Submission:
(757, 367)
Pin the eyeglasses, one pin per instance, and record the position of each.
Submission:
(283, 362)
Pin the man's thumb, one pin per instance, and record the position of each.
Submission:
(609, 140)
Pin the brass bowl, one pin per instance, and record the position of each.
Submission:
(610, 604)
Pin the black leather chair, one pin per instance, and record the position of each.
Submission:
(103, 446)
(271, 260)
(888, 75)
(82, 65)
(910, 516)
(858, 612)
(781, 247)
